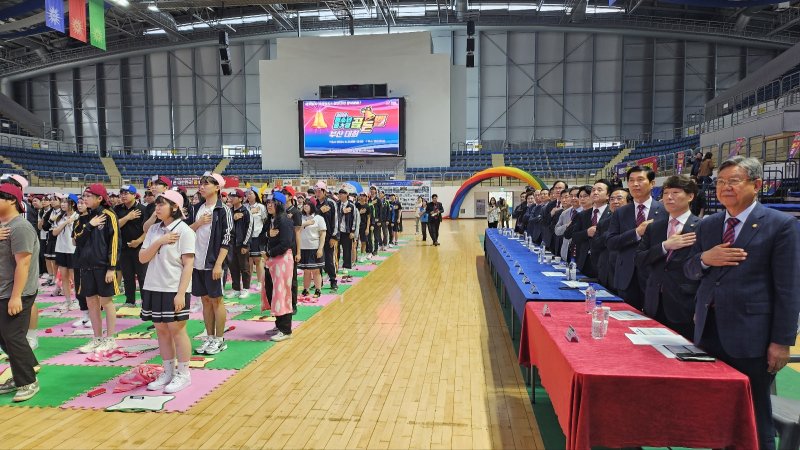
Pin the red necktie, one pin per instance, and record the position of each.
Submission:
(671, 230)
(730, 232)
(640, 215)
(594, 217)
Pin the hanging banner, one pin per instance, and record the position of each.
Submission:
(621, 169)
(736, 147)
(680, 158)
(54, 14)
(77, 19)
(97, 23)
(406, 191)
(193, 181)
(795, 145)
(651, 162)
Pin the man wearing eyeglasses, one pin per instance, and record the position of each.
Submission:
(747, 259)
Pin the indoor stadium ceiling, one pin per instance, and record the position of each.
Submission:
(26, 43)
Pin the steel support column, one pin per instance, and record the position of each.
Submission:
(77, 108)
(194, 100)
(102, 127)
(148, 130)
(170, 101)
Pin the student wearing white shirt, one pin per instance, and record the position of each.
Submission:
(312, 242)
(258, 215)
(168, 249)
(65, 248)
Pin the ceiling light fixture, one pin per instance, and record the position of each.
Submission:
(153, 7)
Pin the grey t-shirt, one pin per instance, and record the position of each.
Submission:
(23, 239)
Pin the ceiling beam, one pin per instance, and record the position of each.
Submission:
(278, 16)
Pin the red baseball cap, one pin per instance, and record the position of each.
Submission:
(12, 190)
(98, 190)
(289, 190)
(162, 180)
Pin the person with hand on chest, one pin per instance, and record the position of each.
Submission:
(664, 248)
(346, 211)
(131, 216)
(435, 211)
(583, 229)
(158, 185)
(626, 229)
(326, 208)
(238, 257)
(747, 259)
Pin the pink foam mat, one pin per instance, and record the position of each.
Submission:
(323, 300)
(65, 329)
(251, 330)
(77, 314)
(75, 358)
(203, 382)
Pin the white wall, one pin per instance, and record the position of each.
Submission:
(403, 61)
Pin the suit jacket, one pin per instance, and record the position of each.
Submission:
(666, 282)
(560, 229)
(548, 224)
(756, 303)
(534, 222)
(623, 240)
(576, 231)
(600, 252)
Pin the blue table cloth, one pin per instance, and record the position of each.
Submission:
(519, 293)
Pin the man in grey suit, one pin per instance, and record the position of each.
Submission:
(664, 248)
(747, 259)
(565, 219)
(626, 229)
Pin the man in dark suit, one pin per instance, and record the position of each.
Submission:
(551, 207)
(664, 248)
(747, 259)
(435, 211)
(519, 212)
(608, 258)
(535, 216)
(584, 230)
(626, 229)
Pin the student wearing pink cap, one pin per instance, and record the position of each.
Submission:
(168, 250)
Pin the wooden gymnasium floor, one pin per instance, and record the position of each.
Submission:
(417, 356)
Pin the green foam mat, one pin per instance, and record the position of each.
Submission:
(237, 356)
(193, 327)
(50, 322)
(306, 312)
(59, 384)
(54, 346)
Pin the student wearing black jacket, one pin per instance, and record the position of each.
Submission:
(364, 224)
(100, 250)
(326, 208)
(294, 214)
(239, 256)
(280, 261)
(384, 214)
(346, 211)
(435, 211)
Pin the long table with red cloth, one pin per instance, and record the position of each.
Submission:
(613, 393)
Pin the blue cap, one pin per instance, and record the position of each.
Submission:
(129, 188)
(73, 197)
(279, 197)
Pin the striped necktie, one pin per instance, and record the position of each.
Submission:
(639, 215)
(730, 231)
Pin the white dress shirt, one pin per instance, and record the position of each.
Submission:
(679, 228)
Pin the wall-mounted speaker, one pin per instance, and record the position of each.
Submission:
(470, 60)
(470, 44)
(470, 27)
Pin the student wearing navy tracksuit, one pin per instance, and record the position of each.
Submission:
(239, 256)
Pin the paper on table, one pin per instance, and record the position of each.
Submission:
(559, 267)
(674, 339)
(655, 331)
(576, 284)
(602, 293)
(627, 315)
(553, 274)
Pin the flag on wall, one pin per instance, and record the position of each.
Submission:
(54, 14)
(97, 23)
(77, 19)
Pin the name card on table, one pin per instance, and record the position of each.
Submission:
(546, 311)
(525, 280)
(516, 263)
(571, 335)
(519, 270)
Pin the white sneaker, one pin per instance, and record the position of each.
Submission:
(108, 344)
(232, 294)
(217, 345)
(279, 336)
(81, 323)
(33, 341)
(179, 382)
(74, 305)
(92, 346)
(203, 348)
(164, 379)
(244, 294)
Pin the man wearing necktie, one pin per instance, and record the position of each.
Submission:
(747, 259)
(573, 206)
(665, 246)
(551, 207)
(583, 229)
(626, 229)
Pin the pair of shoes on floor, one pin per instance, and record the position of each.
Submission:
(211, 346)
(23, 393)
(99, 344)
(171, 382)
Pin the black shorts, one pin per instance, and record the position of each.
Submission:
(65, 260)
(50, 248)
(93, 283)
(160, 307)
(363, 235)
(255, 246)
(204, 285)
(309, 260)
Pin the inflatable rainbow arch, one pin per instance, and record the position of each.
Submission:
(492, 172)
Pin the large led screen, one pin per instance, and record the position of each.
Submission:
(355, 127)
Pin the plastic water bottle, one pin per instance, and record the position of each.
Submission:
(598, 319)
(540, 255)
(591, 298)
(572, 272)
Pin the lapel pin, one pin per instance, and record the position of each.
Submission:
(755, 225)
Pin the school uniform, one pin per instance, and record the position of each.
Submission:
(258, 214)
(65, 248)
(129, 265)
(238, 263)
(164, 273)
(99, 253)
(210, 239)
(309, 244)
